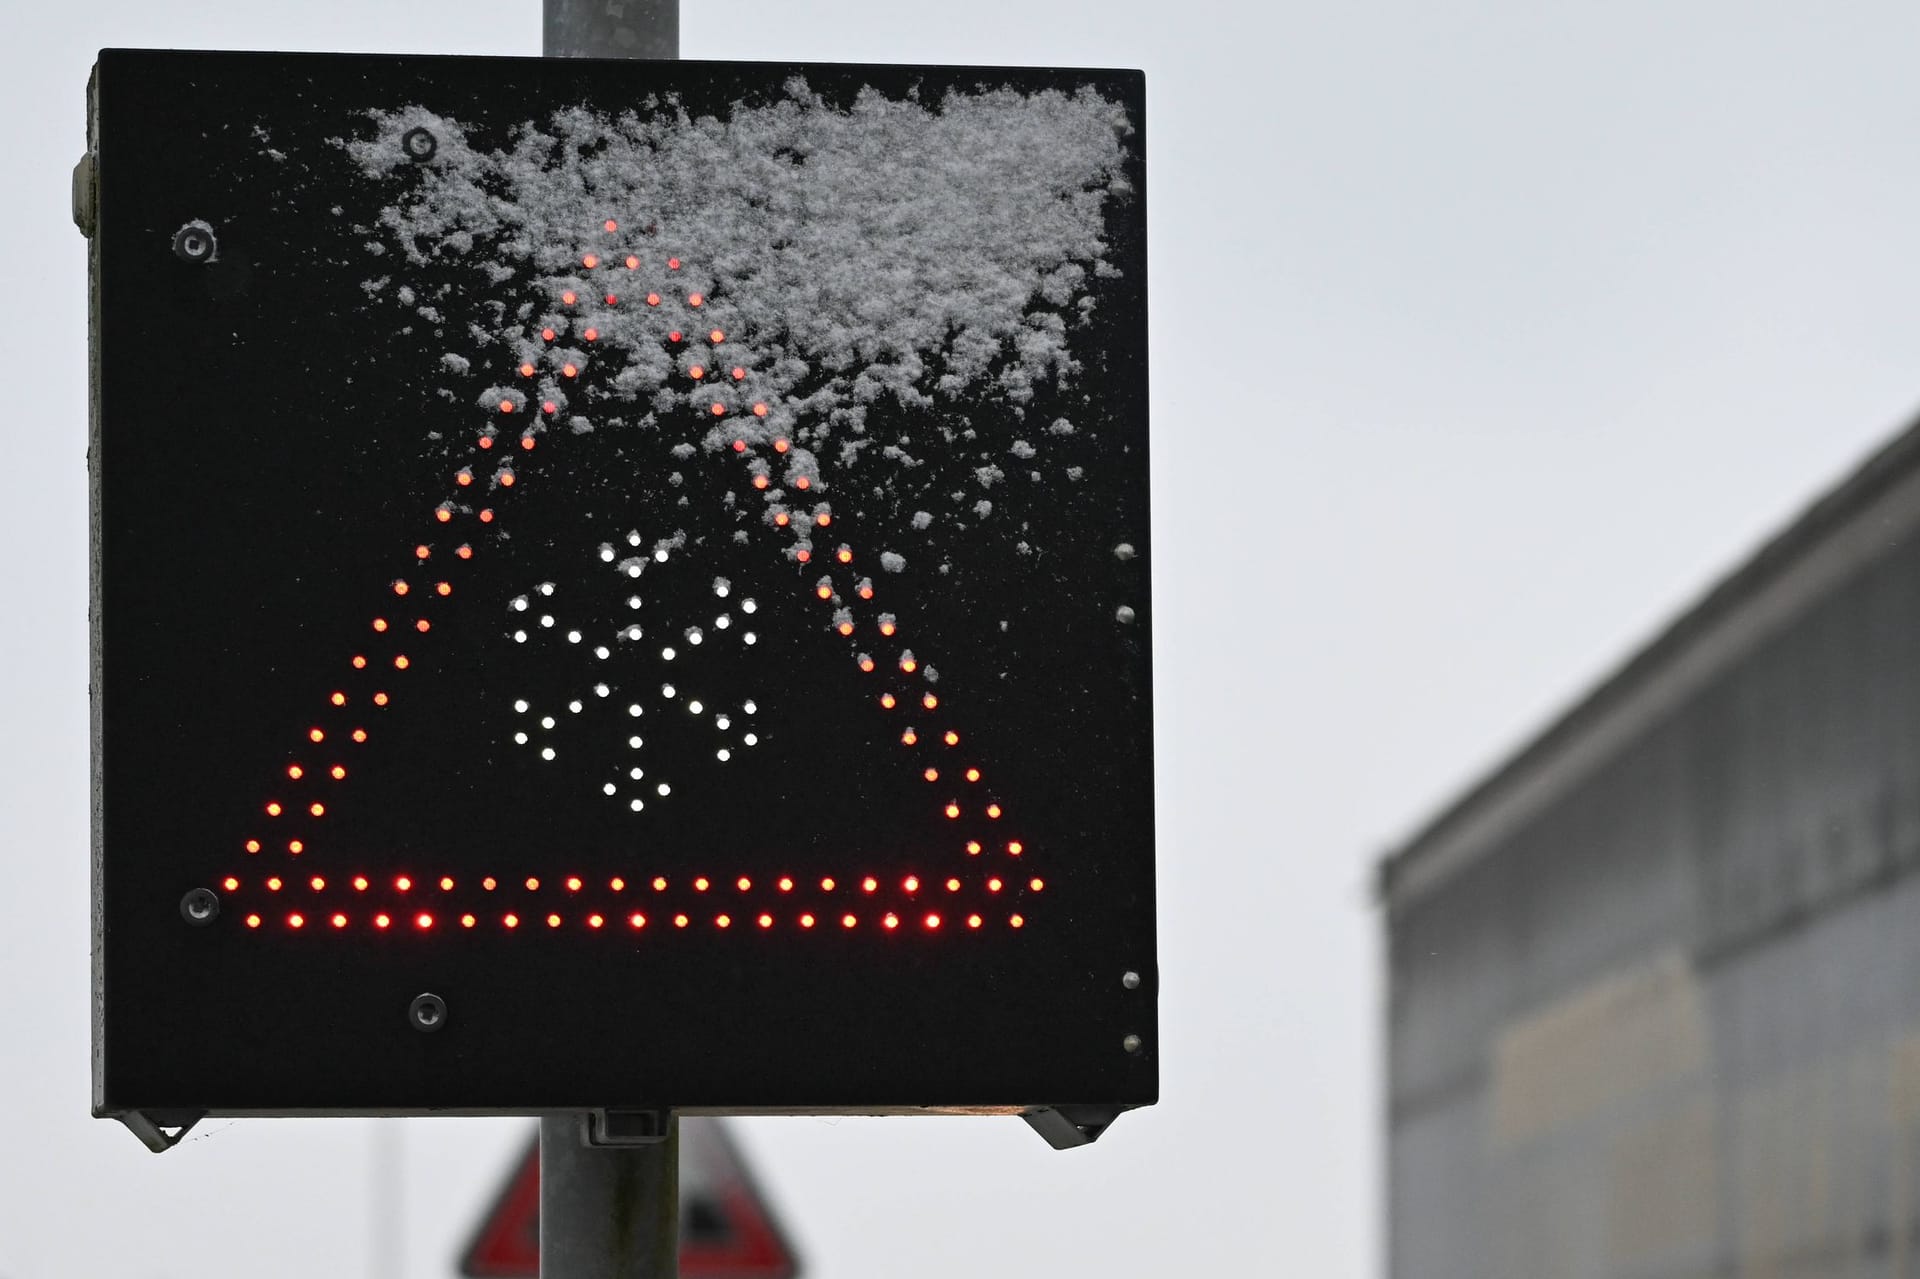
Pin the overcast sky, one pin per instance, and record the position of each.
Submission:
(1485, 336)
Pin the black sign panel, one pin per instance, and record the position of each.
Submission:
(651, 556)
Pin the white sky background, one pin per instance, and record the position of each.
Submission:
(1485, 335)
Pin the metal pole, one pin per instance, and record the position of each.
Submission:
(608, 1211)
(611, 29)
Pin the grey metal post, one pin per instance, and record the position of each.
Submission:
(607, 1212)
(612, 1211)
(611, 29)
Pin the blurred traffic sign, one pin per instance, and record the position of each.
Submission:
(727, 1228)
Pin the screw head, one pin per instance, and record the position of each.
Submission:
(1132, 1044)
(427, 1013)
(195, 243)
(1130, 979)
(419, 144)
(200, 906)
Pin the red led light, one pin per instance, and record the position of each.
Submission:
(674, 336)
(786, 884)
(486, 515)
(511, 921)
(443, 513)
(887, 628)
(844, 555)
(673, 264)
(759, 410)
(253, 845)
(766, 921)
(359, 734)
(546, 406)
(423, 921)
(591, 335)
(953, 810)
(759, 481)
(866, 663)
(296, 772)
(929, 701)
(1016, 848)
(806, 921)
(932, 922)
(781, 518)
(553, 921)
(359, 662)
(338, 699)
(743, 883)
(489, 883)
(1036, 883)
(653, 299)
(463, 477)
(526, 370)
(700, 884)
(613, 300)
(400, 586)
(826, 885)
(594, 921)
(909, 665)
(951, 738)
(636, 920)
(464, 551)
(400, 663)
(295, 847)
(723, 921)
(824, 590)
(1017, 921)
(847, 921)
(912, 883)
(403, 883)
(659, 883)
(569, 370)
(422, 551)
(823, 518)
(467, 921)
(423, 626)
(739, 446)
(360, 883)
(993, 810)
(890, 921)
(887, 700)
(296, 920)
(781, 446)
(909, 737)
(549, 335)
(845, 628)
(573, 883)
(973, 848)
(694, 299)
(869, 884)
(533, 883)
(994, 884)
(953, 885)
(679, 921)
(803, 483)
(932, 774)
(253, 921)
(719, 410)
(316, 735)
(506, 481)
(590, 261)
(696, 372)
(230, 883)
(569, 297)
(973, 921)
(339, 921)
(973, 774)
(273, 809)
(380, 623)
(618, 884)
(446, 883)
(318, 883)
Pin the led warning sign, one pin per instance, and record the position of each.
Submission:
(620, 584)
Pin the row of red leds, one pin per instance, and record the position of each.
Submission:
(426, 921)
(910, 884)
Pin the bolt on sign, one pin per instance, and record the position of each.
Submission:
(619, 584)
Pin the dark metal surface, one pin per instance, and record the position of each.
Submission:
(267, 452)
(608, 1211)
(1666, 1021)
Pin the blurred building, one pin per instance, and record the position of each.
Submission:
(1655, 984)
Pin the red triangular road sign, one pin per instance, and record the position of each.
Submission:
(726, 1229)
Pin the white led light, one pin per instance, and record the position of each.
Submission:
(519, 637)
(574, 706)
(664, 789)
(546, 721)
(723, 754)
(637, 805)
(749, 707)
(748, 606)
(606, 552)
(695, 707)
(637, 773)
(720, 587)
(520, 738)
(751, 739)
(633, 539)
(694, 636)
(601, 690)
(722, 622)
(633, 601)
(545, 588)
(634, 709)
(573, 637)
(666, 690)
(546, 752)
(546, 619)
(520, 705)
(750, 638)
(721, 722)
(609, 788)
(520, 603)
(602, 652)
(666, 655)
(660, 554)
(634, 742)
(633, 632)
(633, 570)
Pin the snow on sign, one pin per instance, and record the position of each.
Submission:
(727, 1230)
(620, 584)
